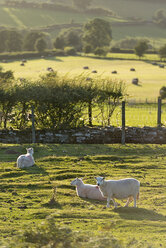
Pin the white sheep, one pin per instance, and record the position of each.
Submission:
(119, 189)
(87, 190)
(27, 160)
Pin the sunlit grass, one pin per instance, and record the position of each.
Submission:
(25, 194)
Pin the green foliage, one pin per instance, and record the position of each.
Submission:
(97, 33)
(59, 102)
(69, 38)
(40, 45)
(100, 51)
(141, 48)
(70, 51)
(162, 51)
(30, 40)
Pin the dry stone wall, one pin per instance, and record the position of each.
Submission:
(97, 135)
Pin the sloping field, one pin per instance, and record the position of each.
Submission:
(25, 194)
(151, 78)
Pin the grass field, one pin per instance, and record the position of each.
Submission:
(25, 194)
(151, 77)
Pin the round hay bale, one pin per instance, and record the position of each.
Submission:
(132, 69)
(114, 72)
(94, 71)
(135, 81)
(85, 67)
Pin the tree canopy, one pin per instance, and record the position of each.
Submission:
(97, 33)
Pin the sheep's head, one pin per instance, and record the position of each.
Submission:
(30, 151)
(76, 181)
(100, 180)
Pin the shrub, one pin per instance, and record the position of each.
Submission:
(70, 51)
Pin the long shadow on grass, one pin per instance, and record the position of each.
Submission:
(36, 170)
(139, 214)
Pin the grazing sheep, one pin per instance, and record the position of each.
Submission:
(27, 160)
(119, 189)
(87, 190)
(22, 64)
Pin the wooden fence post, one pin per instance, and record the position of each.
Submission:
(33, 126)
(123, 123)
(159, 112)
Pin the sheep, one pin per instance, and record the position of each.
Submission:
(27, 160)
(119, 189)
(87, 190)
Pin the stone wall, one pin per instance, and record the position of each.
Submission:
(96, 135)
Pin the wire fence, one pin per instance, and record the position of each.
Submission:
(137, 114)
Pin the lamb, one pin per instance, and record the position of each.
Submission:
(87, 190)
(119, 189)
(27, 160)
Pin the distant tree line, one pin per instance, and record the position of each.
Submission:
(94, 37)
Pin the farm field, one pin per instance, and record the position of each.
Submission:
(151, 78)
(25, 195)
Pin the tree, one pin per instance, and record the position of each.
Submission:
(14, 42)
(141, 48)
(162, 52)
(69, 38)
(100, 51)
(40, 45)
(97, 33)
(82, 4)
(59, 43)
(3, 40)
(30, 40)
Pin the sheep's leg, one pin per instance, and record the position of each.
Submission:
(115, 204)
(135, 200)
(128, 201)
(108, 202)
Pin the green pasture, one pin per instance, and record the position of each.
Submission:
(151, 78)
(22, 18)
(25, 194)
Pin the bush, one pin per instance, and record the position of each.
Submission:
(70, 51)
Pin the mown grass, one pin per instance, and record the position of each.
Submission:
(151, 78)
(25, 194)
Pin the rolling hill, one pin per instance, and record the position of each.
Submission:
(129, 18)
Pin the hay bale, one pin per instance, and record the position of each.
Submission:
(85, 67)
(114, 72)
(132, 69)
(135, 81)
(94, 71)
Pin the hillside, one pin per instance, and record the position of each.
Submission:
(128, 17)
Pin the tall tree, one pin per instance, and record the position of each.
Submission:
(97, 33)
(30, 40)
(162, 52)
(14, 42)
(3, 40)
(141, 48)
(40, 45)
